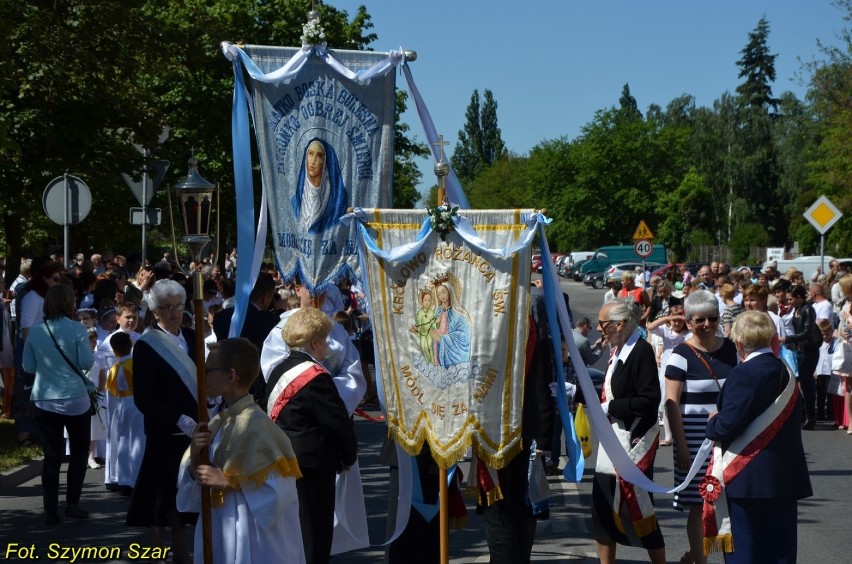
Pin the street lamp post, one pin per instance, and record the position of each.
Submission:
(195, 199)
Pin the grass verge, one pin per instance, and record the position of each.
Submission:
(11, 454)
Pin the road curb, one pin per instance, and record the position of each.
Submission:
(16, 476)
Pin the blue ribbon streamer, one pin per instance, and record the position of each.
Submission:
(244, 189)
(576, 461)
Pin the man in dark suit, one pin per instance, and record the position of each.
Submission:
(259, 321)
(763, 497)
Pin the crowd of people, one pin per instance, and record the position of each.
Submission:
(728, 344)
(104, 349)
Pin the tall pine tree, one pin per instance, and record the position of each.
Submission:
(480, 142)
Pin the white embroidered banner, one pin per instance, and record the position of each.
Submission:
(450, 319)
(326, 144)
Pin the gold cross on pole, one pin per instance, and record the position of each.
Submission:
(440, 144)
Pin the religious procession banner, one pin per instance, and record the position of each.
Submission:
(324, 125)
(450, 320)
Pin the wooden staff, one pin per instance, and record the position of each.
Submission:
(441, 171)
(201, 387)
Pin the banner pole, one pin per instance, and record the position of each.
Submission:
(444, 516)
(441, 171)
(201, 381)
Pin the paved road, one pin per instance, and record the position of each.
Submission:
(823, 529)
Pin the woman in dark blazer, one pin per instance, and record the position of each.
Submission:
(164, 390)
(303, 401)
(763, 497)
(805, 342)
(631, 398)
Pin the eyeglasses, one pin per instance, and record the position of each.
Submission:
(602, 325)
(56, 278)
(701, 320)
(171, 308)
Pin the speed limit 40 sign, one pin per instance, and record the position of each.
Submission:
(643, 248)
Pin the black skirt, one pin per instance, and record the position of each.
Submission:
(154, 496)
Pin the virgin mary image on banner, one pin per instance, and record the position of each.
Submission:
(321, 196)
(443, 333)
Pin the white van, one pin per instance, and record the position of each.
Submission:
(805, 265)
(577, 256)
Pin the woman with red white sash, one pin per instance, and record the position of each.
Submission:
(758, 464)
(621, 512)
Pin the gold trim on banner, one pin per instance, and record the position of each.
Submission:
(412, 436)
(454, 451)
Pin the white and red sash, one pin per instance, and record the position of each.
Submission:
(637, 500)
(726, 465)
(289, 384)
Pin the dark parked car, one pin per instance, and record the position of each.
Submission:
(595, 280)
(575, 271)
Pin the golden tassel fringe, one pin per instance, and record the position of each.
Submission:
(457, 451)
(283, 467)
(618, 524)
(493, 496)
(721, 543)
(645, 526)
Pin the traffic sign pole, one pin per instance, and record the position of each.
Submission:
(145, 210)
(66, 230)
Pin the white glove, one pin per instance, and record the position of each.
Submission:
(570, 390)
(186, 424)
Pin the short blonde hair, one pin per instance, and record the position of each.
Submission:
(846, 285)
(753, 330)
(304, 326)
(627, 275)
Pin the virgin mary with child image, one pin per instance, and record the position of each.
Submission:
(443, 333)
(321, 198)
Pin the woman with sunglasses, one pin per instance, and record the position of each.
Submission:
(630, 398)
(694, 377)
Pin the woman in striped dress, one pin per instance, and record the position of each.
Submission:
(694, 377)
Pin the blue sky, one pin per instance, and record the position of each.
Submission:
(551, 64)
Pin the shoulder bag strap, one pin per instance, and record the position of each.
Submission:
(706, 365)
(76, 370)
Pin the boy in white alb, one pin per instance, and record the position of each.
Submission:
(126, 424)
(252, 472)
(127, 317)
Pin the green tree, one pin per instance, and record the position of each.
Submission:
(831, 167)
(757, 66)
(480, 142)
(406, 175)
(744, 237)
(503, 185)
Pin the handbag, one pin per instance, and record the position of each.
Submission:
(841, 359)
(94, 395)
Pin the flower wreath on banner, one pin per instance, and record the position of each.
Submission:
(442, 219)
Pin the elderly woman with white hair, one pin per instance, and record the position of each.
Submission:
(694, 377)
(164, 390)
(621, 512)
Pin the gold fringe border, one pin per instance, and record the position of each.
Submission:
(457, 452)
(721, 543)
(645, 526)
(283, 467)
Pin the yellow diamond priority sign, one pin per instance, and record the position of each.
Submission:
(642, 232)
(822, 214)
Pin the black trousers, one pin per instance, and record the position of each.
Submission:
(507, 521)
(807, 360)
(316, 513)
(51, 426)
